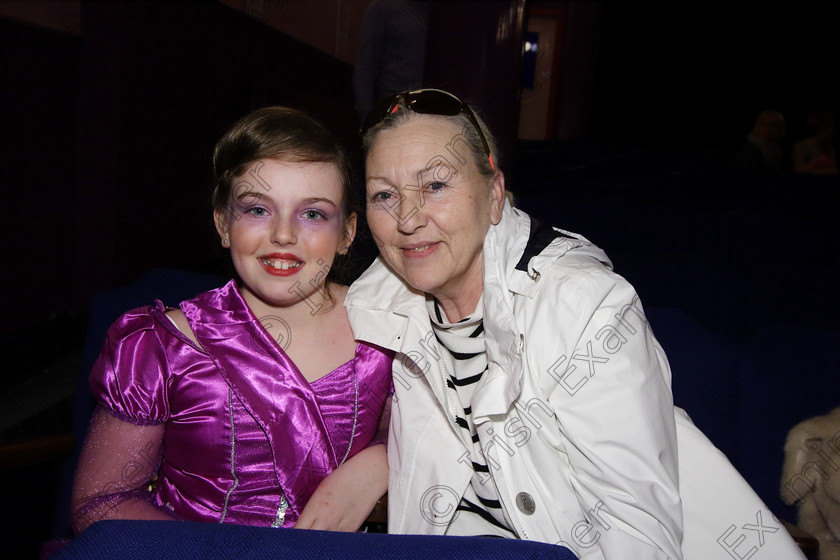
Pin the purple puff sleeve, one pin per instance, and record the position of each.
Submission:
(131, 376)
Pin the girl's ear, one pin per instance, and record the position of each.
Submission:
(220, 219)
(349, 234)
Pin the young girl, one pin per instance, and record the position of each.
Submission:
(252, 403)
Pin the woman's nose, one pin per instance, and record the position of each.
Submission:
(412, 212)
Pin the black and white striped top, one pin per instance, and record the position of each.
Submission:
(465, 361)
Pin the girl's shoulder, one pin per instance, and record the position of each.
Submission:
(150, 326)
(177, 317)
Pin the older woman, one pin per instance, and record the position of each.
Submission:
(532, 399)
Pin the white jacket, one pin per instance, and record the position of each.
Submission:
(575, 413)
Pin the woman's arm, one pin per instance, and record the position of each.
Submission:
(612, 399)
(117, 462)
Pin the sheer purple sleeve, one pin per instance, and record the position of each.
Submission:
(131, 375)
(118, 462)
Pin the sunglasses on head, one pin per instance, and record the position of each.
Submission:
(425, 102)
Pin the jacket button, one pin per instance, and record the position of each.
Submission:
(525, 503)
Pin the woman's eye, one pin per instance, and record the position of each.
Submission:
(382, 196)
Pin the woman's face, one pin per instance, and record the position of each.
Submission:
(429, 209)
(284, 225)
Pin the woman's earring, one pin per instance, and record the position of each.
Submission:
(225, 242)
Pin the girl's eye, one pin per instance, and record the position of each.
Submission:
(257, 211)
(313, 215)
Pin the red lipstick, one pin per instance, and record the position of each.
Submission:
(281, 264)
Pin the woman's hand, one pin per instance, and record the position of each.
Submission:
(345, 498)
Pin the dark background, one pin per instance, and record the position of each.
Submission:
(107, 136)
(699, 73)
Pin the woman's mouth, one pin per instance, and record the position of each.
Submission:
(419, 249)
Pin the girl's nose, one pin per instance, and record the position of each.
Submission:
(283, 232)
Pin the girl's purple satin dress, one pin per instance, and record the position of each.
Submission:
(247, 438)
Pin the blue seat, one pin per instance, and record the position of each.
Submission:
(162, 540)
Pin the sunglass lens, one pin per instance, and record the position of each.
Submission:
(435, 103)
